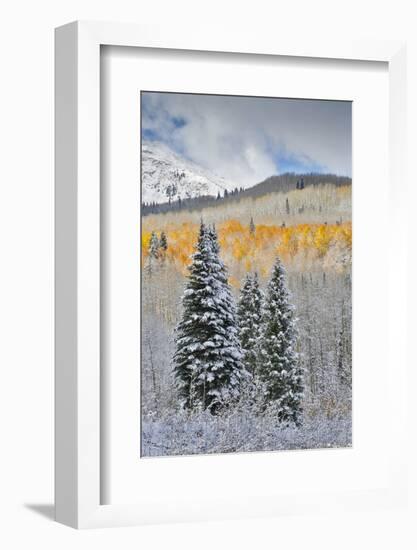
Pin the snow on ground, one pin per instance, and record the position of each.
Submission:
(203, 433)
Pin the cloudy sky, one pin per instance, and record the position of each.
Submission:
(247, 139)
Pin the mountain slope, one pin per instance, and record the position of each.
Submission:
(168, 176)
(282, 184)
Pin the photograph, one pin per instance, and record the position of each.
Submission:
(208, 271)
(246, 274)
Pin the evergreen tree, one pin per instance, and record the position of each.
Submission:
(279, 366)
(163, 242)
(287, 206)
(250, 319)
(207, 361)
(252, 227)
(154, 246)
(344, 349)
(153, 254)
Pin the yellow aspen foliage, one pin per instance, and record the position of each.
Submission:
(322, 238)
(244, 251)
(146, 237)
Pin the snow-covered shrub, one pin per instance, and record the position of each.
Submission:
(238, 430)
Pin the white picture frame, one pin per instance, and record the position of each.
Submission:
(78, 406)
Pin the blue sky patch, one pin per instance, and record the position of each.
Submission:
(178, 122)
(288, 162)
(150, 135)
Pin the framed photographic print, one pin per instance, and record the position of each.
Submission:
(225, 335)
(246, 277)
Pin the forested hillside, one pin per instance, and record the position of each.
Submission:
(308, 231)
(275, 184)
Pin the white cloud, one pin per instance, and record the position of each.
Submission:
(244, 139)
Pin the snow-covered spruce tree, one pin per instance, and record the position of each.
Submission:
(154, 246)
(163, 241)
(154, 254)
(279, 366)
(250, 320)
(208, 359)
(344, 348)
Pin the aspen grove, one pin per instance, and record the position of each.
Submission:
(237, 365)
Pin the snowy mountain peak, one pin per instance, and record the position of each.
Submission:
(168, 176)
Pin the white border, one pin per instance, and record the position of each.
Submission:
(124, 477)
(78, 267)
